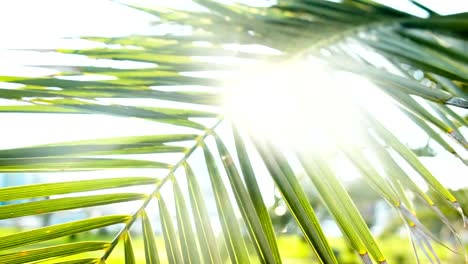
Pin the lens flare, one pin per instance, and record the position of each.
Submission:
(300, 104)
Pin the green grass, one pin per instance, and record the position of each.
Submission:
(293, 249)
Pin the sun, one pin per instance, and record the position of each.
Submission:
(298, 104)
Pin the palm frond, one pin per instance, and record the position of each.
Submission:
(422, 69)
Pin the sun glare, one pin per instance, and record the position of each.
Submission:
(298, 104)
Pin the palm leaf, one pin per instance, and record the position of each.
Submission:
(151, 251)
(51, 252)
(424, 73)
(61, 230)
(172, 244)
(128, 248)
(187, 237)
(205, 233)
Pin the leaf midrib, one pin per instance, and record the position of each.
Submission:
(159, 185)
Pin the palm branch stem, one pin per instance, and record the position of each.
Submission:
(135, 215)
